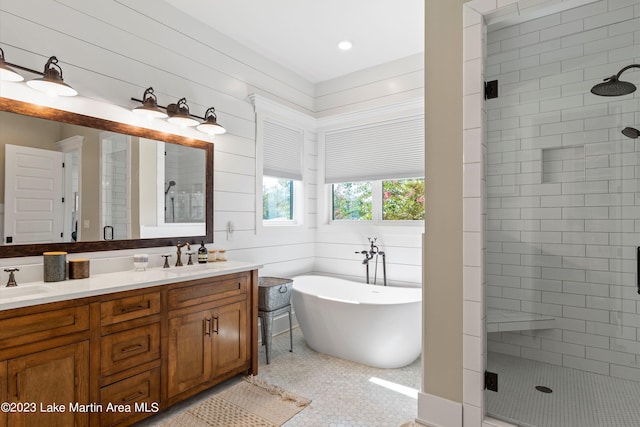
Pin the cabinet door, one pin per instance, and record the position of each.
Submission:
(3, 391)
(230, 337)
(189, 351)
(59, 376)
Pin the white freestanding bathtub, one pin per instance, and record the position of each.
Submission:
(379, 326)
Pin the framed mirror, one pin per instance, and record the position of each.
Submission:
(118, 186)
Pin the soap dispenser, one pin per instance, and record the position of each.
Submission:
(203, 254)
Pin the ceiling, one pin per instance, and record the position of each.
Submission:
(303, 35)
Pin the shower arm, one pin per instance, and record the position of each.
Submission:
(617, 76)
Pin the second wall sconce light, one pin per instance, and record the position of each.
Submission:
(50, 83)
(178, 113)
(149, 107)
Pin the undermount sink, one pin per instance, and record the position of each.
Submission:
(23, 291)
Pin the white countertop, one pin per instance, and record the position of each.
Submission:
(33, 293)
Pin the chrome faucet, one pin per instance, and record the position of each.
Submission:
(179, 252)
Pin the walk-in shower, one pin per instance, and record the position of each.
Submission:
(562, 216)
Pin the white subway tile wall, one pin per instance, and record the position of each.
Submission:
(563, 201)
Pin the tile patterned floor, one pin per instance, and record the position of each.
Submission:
(579, 398)
(343, 393)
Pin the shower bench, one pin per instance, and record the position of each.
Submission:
(506, 320)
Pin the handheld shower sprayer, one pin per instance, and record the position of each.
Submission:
(171, 184)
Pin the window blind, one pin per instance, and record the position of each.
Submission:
(385, 150)
(282, 151)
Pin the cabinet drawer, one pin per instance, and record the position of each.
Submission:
(39, 326)
(141, 393)
(206, 290)
(129, 348)
(129, 308)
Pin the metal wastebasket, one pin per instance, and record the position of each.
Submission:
(274, 299)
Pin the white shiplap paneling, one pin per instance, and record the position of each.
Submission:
(112, 50)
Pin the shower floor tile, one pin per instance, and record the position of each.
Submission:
(343, 393)
(578, 398)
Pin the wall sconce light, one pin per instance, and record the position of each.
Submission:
(149, 107)
(210, 125)
(50, 83)
(179, 114)
(6, 72)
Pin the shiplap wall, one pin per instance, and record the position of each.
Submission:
(113, 50)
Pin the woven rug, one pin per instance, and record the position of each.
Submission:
(250, 403)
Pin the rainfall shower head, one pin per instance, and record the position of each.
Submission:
(612, 86)
(631, 132)
(171, 184)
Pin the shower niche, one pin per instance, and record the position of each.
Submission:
(564, 164)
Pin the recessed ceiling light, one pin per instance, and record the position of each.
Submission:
(345, 45)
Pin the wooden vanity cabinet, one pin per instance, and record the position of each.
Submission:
(44, 364)
(49, 380)
(145, 349)
(130, 355)
(209, 336)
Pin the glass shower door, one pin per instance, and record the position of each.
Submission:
(115, 171)
(563, 219)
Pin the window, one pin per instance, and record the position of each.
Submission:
(388, 201)
(352, 201)
(277, 199)
(372, 164)
(403, 200)
(282, 189)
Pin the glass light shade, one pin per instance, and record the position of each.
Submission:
(211, 128)
(53, 88)
(6, 72)
(182, 120)
(8, 75)
(149, 112)
(210, 125)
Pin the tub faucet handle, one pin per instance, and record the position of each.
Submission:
(12, 278)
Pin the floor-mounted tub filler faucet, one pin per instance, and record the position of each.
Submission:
(374, 250)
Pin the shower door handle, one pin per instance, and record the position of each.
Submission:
(107, 232)
(638, 269)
